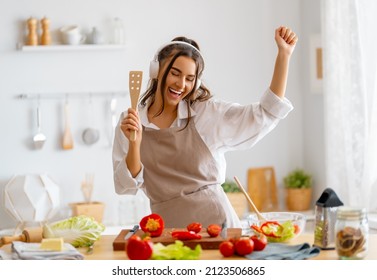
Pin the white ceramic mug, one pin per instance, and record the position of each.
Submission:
(71, 35)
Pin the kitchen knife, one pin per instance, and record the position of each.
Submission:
(131, 232)
(224, 231)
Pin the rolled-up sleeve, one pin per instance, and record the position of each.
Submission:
(276, 106)
(239, 127)
(123, 181)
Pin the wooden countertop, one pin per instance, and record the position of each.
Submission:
(103, 250)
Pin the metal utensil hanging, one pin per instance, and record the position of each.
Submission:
(39, 139)
(91, 135)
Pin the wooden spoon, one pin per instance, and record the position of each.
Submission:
(67, 136)
(259, 215)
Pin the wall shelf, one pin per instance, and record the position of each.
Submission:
(84, 47)
(63, 95)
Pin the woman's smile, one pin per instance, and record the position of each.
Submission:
(175, 93)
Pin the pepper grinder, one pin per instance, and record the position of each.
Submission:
(325, 218)
(32, 38)
(46, 37)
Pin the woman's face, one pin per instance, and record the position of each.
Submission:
(179, 81)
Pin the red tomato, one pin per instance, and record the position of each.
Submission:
(226, 248)
(195, 227)
(244, 246)
(213, 230)
(260, 242)
(139, 249)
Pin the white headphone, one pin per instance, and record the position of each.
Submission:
(155, 65)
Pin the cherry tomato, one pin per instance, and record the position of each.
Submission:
(139, 249)
(227, 248)
(260, 242)
(195, 227)
(213, 230)
(244, 246)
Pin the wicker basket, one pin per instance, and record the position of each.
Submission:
(238, 202)
(93, 209)
(298, 199)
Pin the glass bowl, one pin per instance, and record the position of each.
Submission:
(291, 225)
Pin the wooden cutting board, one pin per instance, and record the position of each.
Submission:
(206, 241)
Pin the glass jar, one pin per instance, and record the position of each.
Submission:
(351, 233)
(118, 36)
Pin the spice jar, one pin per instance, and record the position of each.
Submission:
(351, 229)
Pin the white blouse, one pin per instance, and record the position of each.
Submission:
(223, 127)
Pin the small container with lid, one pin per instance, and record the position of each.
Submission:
(351, 233)
(325, 218)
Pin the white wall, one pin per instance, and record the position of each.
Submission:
(236, 38)
(313, 110)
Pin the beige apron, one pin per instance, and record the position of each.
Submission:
(180, 179)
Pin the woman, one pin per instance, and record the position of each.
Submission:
(182, 135)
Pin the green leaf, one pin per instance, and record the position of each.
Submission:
(230, 187)
(298, 178)
(175, 251)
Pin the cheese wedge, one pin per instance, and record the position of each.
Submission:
(53, 244)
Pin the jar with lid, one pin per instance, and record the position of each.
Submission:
(351, 233)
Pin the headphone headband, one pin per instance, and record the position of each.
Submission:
(155, 65)
(175, 43)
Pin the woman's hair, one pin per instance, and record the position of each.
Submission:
(173, 51)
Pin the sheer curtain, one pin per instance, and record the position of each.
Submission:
(349, 41)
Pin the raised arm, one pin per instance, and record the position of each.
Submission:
(286, 41)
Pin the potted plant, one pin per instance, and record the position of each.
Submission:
(235, 197)
(298, 186)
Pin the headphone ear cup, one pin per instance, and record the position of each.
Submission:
(153, 69)
(198, 83)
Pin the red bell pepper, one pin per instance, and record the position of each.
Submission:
(256, 228)
(152, 224)
(185, 235)
(271, 229)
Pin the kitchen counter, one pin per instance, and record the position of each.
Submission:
(103, 250)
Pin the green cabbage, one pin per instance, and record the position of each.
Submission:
(79, 231)
(175, 251)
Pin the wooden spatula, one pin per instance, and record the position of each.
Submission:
(135, 79)
(67, 136)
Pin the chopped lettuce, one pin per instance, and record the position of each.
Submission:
(285, 232)
(79, 231)
(175, 251)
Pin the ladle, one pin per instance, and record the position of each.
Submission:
(39, 139)
(91, 135)
(251, 203)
